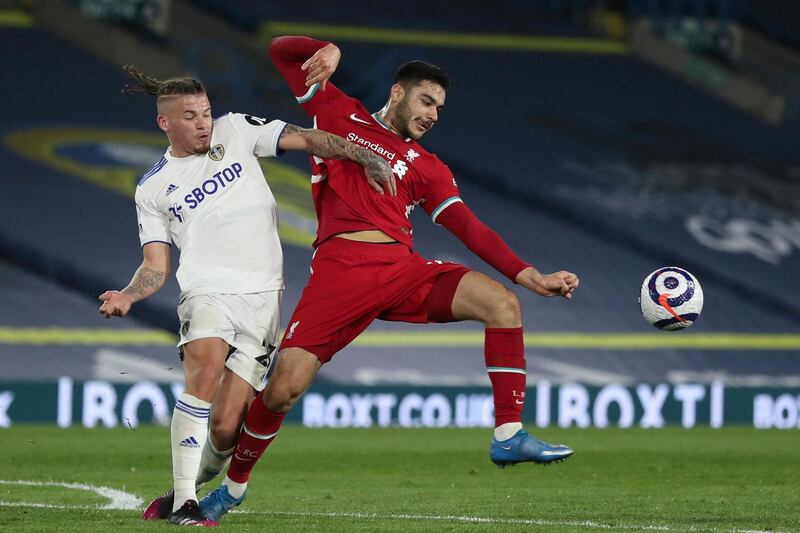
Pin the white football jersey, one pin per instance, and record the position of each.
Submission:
(218, 210)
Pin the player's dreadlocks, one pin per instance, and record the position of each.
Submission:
(144, 84)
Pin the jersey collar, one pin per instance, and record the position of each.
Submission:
(380, 121)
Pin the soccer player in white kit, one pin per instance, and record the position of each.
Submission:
(209, 196)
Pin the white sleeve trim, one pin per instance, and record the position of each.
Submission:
(309, 94)
(444, 205)
(266, 144)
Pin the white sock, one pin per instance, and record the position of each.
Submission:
(188, 434)
(506, 431)
(212, 462)
(234, 489)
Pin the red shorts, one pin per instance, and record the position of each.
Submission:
(353, 283)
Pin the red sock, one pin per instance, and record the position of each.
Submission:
(505, 362)
(259, 430)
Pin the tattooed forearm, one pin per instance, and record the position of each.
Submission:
(323, 144)
(329, 146)
(145, 282)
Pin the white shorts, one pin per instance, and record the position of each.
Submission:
(247, 322)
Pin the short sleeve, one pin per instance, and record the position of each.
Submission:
(153, 225)
(259, 134)
(440, 191)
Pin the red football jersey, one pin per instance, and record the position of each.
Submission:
(342, 198)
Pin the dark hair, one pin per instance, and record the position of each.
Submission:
(171, 87)
(413, 72)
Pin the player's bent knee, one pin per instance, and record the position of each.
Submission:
(505, 311)
(281, 394)
(207, 376)
(510, 305)
(203, 383)
(293, 374)
(281, 399)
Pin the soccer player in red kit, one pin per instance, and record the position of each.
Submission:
(364, 267)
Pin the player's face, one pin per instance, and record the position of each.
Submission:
(419, 109)
(187, 123)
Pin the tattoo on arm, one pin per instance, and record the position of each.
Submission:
(329, 146)
(145, 282)
(374, 164)
(290, 129)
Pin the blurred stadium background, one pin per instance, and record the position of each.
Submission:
(605, 137)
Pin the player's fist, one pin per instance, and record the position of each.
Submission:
(560, 283)
(115, 303)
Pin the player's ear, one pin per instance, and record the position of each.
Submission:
(163, 123)
(396, 93)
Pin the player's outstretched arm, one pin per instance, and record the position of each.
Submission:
(329, 146)
(147, 280)
(561, 283)
(488, 245)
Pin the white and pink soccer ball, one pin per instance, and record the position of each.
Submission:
(671, 298)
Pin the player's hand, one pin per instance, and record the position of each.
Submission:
(389, 186)
(561, 283)
(381, 178)
(322, 65)
(378, 173)
(115, 303)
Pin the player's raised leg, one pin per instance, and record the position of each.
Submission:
(293, 374)
(481, 298)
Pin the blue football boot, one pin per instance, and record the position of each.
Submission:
(523, 448)
(218, 502)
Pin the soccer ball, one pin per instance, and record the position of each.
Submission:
(671, 298)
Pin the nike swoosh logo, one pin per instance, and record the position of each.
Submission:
(662, 301)
(354, 117)
(556, 452)
(506, 448)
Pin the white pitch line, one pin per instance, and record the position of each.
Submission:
(587, 524)
(37, 505)
(454, 518)
(118, 499)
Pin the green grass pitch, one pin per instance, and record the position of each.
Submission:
(731, 479)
